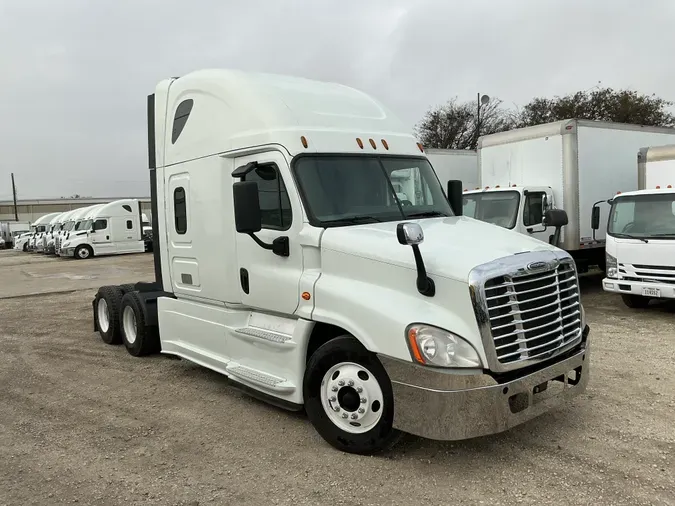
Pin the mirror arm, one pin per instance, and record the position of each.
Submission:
(280, 245)
(425, 285)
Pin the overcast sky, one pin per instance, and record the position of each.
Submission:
(74, 74)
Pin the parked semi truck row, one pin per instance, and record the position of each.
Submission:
(285, 260)
(570, 164)
(640, 246)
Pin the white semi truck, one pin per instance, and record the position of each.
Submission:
(114, 228)
(285, 261)
(640, 245)
(39, 228)
(570, 164)
(72, 225)
(455, 164)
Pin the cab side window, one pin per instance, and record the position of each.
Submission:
(275, 205)
(180, 210)
(533, 213)
(100, 225)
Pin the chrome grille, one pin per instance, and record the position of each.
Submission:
(647, 273)
(533, 315)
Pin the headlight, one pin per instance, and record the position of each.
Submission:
(433, 346)
(611, 266)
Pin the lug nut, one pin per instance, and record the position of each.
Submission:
(350, 383)
(354, 416)
(345, 415)
(336, 408)
(333, 398)
(363, 400)
(361, 410)
(341, 383)
(334, 389)
(359, 389)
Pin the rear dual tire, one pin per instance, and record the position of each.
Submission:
(120, 319)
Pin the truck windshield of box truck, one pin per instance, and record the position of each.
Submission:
(643, 216)
(341, 190)
(499, 207)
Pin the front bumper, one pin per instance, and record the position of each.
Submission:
(663, 290)
(440, 405)
(67, 252)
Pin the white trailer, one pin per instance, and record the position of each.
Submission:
(9, 230)
(570, 164)
(113, 229)
(455, 164)
(640, 247)
(285, 261)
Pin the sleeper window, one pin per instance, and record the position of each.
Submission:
(180, 210)
(130, 225)
(275, 205)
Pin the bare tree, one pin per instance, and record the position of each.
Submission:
(456, 125)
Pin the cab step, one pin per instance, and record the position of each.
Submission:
(259, 378)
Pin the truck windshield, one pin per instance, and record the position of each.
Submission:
(343, 190)
(68, 226)
(498, 207)
(84, 225)
(643, 216)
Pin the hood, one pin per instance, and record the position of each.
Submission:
(630, 251)
(452, 246)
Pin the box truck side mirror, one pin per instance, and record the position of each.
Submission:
(595, 218)
(556, 218)
(248, 216)
(455, 196)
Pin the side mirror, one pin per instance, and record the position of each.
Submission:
(556, 218)
(247, 215)
(455, 196)
(595, 218)
(411, 234)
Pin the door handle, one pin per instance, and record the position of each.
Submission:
(243, 279)
(107, 237)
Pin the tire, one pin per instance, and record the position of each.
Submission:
(107, 314)
(139, 338)
(129, 287)
(635, 301)
(83, 251)
(326, 401)
(25, 247)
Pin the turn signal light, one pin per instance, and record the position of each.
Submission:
(359, 142)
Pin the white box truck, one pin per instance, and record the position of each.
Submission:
(640, 247)
(570, 164)
(10, 230)
(285, 261)
(455, 164)
(114, 228)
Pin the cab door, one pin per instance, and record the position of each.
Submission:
(266, 280)
(535, 203)
(100, 236)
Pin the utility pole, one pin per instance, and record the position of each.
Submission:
(16, 209)
(479, 101)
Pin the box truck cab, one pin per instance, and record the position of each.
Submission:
(641, 233)
(569, 164)
(113, 229)
(285, 260)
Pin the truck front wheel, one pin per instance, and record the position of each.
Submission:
(349, 398)
(635, 301)
(83, 251)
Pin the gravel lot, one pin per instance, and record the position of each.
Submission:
(83, 422)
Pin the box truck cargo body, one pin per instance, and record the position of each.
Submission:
(571, 165)
(455, 164)
(640, 249)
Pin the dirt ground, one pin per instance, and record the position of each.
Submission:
(83, 422)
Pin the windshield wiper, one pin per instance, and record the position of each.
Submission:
(628, 236)
(426, 214)
(355, 220)
(663, 235)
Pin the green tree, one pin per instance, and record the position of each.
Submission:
(454, 124)
(604, 104)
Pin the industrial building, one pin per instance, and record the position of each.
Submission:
(30, 210)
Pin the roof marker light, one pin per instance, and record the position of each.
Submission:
(618, 193)
(359, 142)
(419, 145)
(497, 186)
(372, 143)
(303, 140)
(513, 186)
(669, 186)
(386, 146)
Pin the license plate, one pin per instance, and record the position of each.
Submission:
(651, 292)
